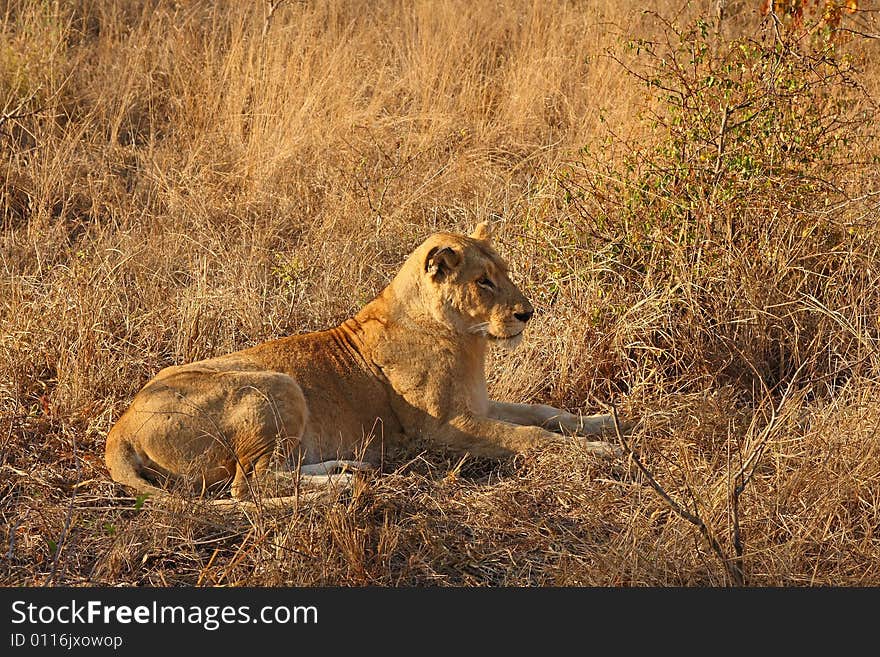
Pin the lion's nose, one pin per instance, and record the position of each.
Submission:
(524, 316)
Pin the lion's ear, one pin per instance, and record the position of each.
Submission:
(441, 261)
(483, 231)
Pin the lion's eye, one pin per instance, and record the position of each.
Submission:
(486, 283)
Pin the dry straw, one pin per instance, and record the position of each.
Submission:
(180, 180)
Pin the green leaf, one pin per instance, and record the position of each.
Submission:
(139, 501)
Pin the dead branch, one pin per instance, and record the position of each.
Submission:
(734, 572)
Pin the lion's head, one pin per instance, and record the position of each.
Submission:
(463, 283)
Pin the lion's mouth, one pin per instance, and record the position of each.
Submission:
(504, 338)
(509, 342)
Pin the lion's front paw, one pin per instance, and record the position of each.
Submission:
(361, 467)
(627, 425)
(603, 449)
(591, 425)
(603, 425)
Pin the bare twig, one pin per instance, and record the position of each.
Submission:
(67, 519)
(734, 506)
(865, 35)
(10, 113)
(273, 6)
(722, 132)
(720, 6)
(734, 572)
(15, 114)
(12, 531)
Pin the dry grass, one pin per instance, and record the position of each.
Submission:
(183, 179)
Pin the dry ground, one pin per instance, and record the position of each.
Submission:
(183, 179)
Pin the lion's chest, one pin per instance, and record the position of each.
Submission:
(479, 396)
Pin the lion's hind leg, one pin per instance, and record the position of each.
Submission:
(312, 488)
(268, 487)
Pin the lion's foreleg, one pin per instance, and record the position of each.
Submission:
(483, 436)
(554, 419)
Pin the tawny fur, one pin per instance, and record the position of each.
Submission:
(410, 364)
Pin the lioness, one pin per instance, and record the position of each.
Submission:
(410, 363)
